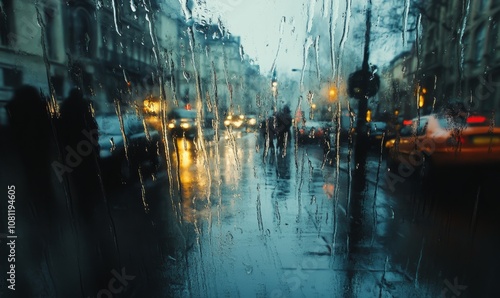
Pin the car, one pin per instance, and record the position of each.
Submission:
(379, 131)
(313, 132)
(376, 132)
(235, 121)
(441, 141)
(125, 145)
(182, 123)
(251, 123)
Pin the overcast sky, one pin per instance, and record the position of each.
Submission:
(273, 32)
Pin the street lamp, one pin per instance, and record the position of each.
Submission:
(363, 84)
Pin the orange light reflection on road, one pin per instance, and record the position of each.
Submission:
(193, 180)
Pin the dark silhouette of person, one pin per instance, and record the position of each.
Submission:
(31, 135)
(30, 143)
(282, 128)
(79, 142)
(268, 134)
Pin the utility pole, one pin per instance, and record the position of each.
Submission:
(363, 84)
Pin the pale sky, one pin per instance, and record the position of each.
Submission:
(269, 26)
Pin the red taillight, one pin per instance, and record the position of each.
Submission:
(407, 122)
(476, 119)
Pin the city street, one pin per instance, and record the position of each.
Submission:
(230, 148)
(230, 222)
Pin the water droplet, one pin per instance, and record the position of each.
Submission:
(248, 268)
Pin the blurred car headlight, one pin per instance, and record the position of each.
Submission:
(227, 122)
(390, 143)
(252, 121)
(185, 125)
(171, 125)
(238, 123)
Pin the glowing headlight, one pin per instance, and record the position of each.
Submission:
(238, 123)
(185, 125)
(227, 122)
(171, 125)
(390, 143)
(252, 121)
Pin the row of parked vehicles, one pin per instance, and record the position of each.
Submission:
(445, 141)
(436, 140)
(129, 143)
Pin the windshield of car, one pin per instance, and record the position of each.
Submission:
(449, 122)
(378, 126)
(110, 125)
(183, 114)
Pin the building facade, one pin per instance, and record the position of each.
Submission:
(456, 59)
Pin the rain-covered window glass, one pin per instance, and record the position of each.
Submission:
(480, 39)
(481, 6)
(6, 21)
(230, 148)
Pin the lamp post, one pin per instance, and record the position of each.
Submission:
(362, 85)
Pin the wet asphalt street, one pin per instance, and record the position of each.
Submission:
(234, 220)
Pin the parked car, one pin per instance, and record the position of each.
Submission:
(376, 132)
(313, 132)
(235, 121)
(182, 123)
(441, 141)
(125, 145)
(251, 123)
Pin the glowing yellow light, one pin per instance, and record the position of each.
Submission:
(151, 106)
(368, 116)
(420, 101)
(332, 93)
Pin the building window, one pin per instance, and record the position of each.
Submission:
(11, 78)
(50, 31)
(82, 37)
(58, 84)
(6, 26)
(481, 6)
(479, 43)
(494, 33)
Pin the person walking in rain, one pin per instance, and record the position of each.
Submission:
(79, 138)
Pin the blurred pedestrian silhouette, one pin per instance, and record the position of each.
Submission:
(29, 147)
(31, 135)
(79, 143)
(267, 134)
(282, 128)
